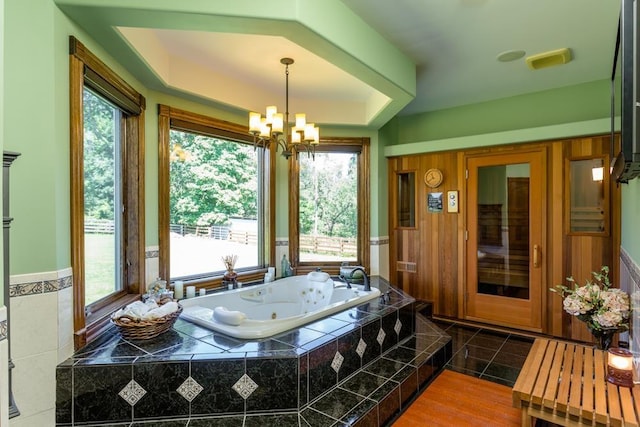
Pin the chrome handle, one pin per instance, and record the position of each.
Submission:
(536, 256)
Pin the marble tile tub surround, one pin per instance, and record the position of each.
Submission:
(370, 359)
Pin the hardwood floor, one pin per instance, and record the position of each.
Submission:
(455, 399)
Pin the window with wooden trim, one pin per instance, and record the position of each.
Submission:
(329, 206)
(107, 198)
(215, 201)
(587, 206)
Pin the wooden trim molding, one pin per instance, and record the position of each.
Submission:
(175, 118)
(88, 59)
(88, 325)
(333, 144)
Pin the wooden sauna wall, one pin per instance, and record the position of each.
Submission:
(424, 260)
(427, 260)
(583, 253)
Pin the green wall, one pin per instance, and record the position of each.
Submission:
(36, 124)
(631, 219)
(36, 105)
(570, 104)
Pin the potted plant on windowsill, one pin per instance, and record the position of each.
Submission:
(604, 309)
(230, 275)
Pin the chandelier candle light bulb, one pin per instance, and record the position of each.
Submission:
(274, 127)
(254, 122)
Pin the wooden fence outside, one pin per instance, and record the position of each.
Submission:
(339, 246)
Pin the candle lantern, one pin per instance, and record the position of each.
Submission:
(620, 367)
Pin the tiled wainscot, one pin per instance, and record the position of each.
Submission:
(361, 366)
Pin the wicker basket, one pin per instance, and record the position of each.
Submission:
(136, 329)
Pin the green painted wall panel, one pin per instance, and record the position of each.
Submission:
(571, 104)
(631, 218)
(36, 123)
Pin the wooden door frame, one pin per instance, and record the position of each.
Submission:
(540, 304)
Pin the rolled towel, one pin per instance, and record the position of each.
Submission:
(136, 309)
(233, 318)
(163, 310)
(318, 276)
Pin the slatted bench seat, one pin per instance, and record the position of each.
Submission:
(565, 383)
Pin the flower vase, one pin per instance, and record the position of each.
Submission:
(230, 277)
(603, 338)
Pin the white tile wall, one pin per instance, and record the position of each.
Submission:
(379, 257)
(34, 384)
(152, 266)
(65, 323)
(41, 336)
(34, 326)
(41, 419)
(281, 250)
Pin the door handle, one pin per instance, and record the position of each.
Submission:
(536, 256)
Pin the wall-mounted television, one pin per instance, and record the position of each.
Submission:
(625, 95)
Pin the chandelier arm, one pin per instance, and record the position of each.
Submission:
(281, 135)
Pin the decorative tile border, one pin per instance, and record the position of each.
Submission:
(4, 330)
(40, 283)
(153, 253)
(282, 242)
(378, 241)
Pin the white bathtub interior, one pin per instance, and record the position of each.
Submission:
(262, 311)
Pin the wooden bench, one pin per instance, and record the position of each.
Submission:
(565, 383)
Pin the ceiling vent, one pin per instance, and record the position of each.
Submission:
(549, 59)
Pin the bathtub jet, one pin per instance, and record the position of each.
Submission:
(262, 311)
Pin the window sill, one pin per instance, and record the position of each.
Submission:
(99, 321)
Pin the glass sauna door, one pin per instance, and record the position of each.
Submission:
(504, 246)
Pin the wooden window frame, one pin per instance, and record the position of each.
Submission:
(395, 195)
(606, 185)
(175, 118)
(337, 144)
(85, 69)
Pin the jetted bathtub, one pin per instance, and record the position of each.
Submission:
(262, 311)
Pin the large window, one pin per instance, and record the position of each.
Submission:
(102, 196)
(216, 201)
(330, 196)
(107, 199)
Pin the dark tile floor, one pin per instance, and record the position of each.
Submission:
(484, 353)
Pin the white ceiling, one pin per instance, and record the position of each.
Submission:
(453, 44)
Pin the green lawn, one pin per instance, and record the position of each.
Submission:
(99, 266)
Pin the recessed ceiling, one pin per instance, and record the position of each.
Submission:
(244, 71)
(357, 62)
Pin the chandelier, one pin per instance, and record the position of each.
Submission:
(275, 127)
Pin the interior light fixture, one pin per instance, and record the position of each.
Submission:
(549, 59)
(275, 127)
(620, 367)
(597, 170)
(510, 55)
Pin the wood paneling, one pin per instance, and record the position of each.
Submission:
(432, 244)
(437, 244)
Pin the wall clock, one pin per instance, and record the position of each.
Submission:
(433, 177)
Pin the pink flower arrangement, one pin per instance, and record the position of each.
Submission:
(596, 303)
